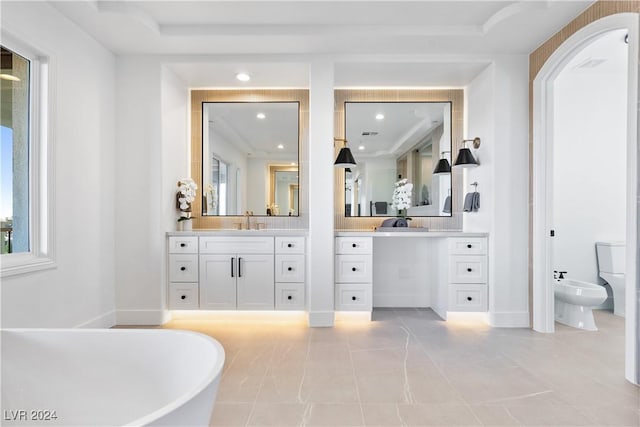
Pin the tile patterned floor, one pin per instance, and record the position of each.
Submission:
(409, 368)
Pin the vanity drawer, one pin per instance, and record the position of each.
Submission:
(353, 297)
(353, 268)
(290, 268)
(289, 245)
(468, 246)
(183, 268)
(183, 245)
(236, 244)
(354, 245)
(468, 269)
(183, 296)
(289, 296)
(467, 298)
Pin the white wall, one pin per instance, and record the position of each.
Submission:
(80, 290)
(176, 159)
(236, 159)
(379, 178)
(140, 228)
(257, 186)
(589, 164)
(497, 112)
(320, 245)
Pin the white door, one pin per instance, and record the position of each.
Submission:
(255, 282)
(218, 281)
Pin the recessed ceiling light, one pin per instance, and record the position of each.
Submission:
(9, 77)
(379, 116)
(361, 147)
(260, 116)
(280, 146)
(243, 77)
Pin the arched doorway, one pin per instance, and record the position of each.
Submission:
(542, 209)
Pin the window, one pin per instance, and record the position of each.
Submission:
(14, 130)
(25, 207)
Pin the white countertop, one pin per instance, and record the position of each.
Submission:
(338, 233)
(427, 234)
(221, 232)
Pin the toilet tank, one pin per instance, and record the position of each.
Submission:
(611, 257)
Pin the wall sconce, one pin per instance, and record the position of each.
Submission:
(345, 158)
(443, 165)
(465, 159)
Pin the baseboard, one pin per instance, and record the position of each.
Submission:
(509, 319)
(321, 319)
(103, 321)
(142, 317)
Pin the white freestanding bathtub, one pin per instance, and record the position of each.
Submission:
(107, 377)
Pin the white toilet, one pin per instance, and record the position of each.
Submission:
(574, 302)
(611, 264)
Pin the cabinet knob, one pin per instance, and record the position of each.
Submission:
(354, 245)
(469, 299)
(469, 270)
(469, 245)
(289, 245)
(353, 298)
(353, 269)
(183, 268)
(183, 297)
(289, 268)
(182, 245)
(289, 297)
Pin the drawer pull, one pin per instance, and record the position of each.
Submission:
(183, 268)
(469, 299)
(353, 298)
(182, 245)
(289, 297)
(289, 268)
(353, 269)
(469, 270)
(289, 245)
(354, 245)
(469, 246)
(183, 297)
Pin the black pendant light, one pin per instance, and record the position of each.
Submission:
(465, 159)
(345, 158)
(443, 165)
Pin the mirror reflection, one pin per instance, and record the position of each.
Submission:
(397, 142)
(250, 158)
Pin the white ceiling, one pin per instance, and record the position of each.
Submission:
(238, 126)
(405, 124)
(606, 54)
(303, 27)
(373, 43)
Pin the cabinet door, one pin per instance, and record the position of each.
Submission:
(255, 282)
(218, 281)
